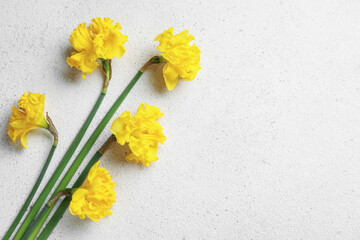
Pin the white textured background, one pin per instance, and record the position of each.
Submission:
(264, 144)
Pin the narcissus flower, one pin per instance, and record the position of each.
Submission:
(142, 132)
(95, 197)
(183, 59)
(29, 116)
(102, 39)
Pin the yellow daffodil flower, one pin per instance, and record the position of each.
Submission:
(29, 116)
(183, 59)
(102, 39)
(142, 132)
(95, 197)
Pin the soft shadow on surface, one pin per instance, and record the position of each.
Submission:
(78, 225)
(6, 142)
(117, 153)
(71, 73)
(156, 77)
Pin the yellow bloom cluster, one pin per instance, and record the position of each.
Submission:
(29, 116)
(95, 197)
(142, 132)
(102, 39)
(183, 59)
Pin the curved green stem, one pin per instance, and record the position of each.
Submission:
(44, 194)
(32, 193)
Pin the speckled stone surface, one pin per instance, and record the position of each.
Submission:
(264, 144)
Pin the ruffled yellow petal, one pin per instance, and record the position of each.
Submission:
(95, 197)
(142, 132)
(164, 39)
(33, 104)
(183, 59)
(81, 38)
(29, 116)
(120, 127)
(171, 76)
(143, 150)
(84, 61)
(182, 38)
(85, 58)
(77, 200)
(146, 111)
(108, 39)
(23, 140)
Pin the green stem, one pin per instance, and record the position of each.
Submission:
(107, 71)
(29, 233)
(44, 194)
(32, 193)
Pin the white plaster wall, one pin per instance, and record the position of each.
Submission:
(264, 144)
